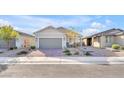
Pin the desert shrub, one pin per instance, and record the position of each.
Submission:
(22, 52)
(14, 47)
(76, 53)
(87, 53)
(33, 47)
(66, 51)
(115, 46)
(1, 52)
(11, 48)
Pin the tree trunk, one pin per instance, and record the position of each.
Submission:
(8, 42)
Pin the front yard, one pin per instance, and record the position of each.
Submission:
(69, 52)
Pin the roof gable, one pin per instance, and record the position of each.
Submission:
(22, 33)
(49, 27)
(59, 29)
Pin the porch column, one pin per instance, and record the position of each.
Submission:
(37, 42)
(80, 41)
(92, 41)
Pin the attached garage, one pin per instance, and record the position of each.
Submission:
(50, 43)
(50, 37)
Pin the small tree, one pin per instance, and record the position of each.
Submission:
(7, 33)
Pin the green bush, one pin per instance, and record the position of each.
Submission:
(122, 47)
(33, 47)
(115, 46)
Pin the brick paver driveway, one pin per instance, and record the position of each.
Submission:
(46, 53)
(52, 52)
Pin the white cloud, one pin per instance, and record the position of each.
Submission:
(30, 24)
(41, 22)
(97, 25)
(4, 22)
(89, 31)
(108, 22)
(94, 28)
(34, 23)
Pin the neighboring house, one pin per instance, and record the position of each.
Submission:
(51, 37)
(24, 40)
(105, 39)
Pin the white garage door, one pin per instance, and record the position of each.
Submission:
(50, 43)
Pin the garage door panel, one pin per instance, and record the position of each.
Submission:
(50, 43)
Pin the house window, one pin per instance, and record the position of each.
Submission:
(108, 39)
(98, 39)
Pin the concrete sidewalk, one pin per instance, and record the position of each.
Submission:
(62, 60)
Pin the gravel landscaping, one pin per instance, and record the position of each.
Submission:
(13, 53)
(69, 52)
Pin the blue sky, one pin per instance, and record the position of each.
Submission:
(86, 25)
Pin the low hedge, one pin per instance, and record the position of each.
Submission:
(116, 46)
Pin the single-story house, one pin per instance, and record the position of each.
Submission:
(51, 37)
(105, 38)
(24, 40)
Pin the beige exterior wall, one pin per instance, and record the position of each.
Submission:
(96, 42)
(102, 42)
(106, 41)
(84, 42)
(25, 41)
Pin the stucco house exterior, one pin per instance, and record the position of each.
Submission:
(105, 38)
(24, 40)
(51, 37)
